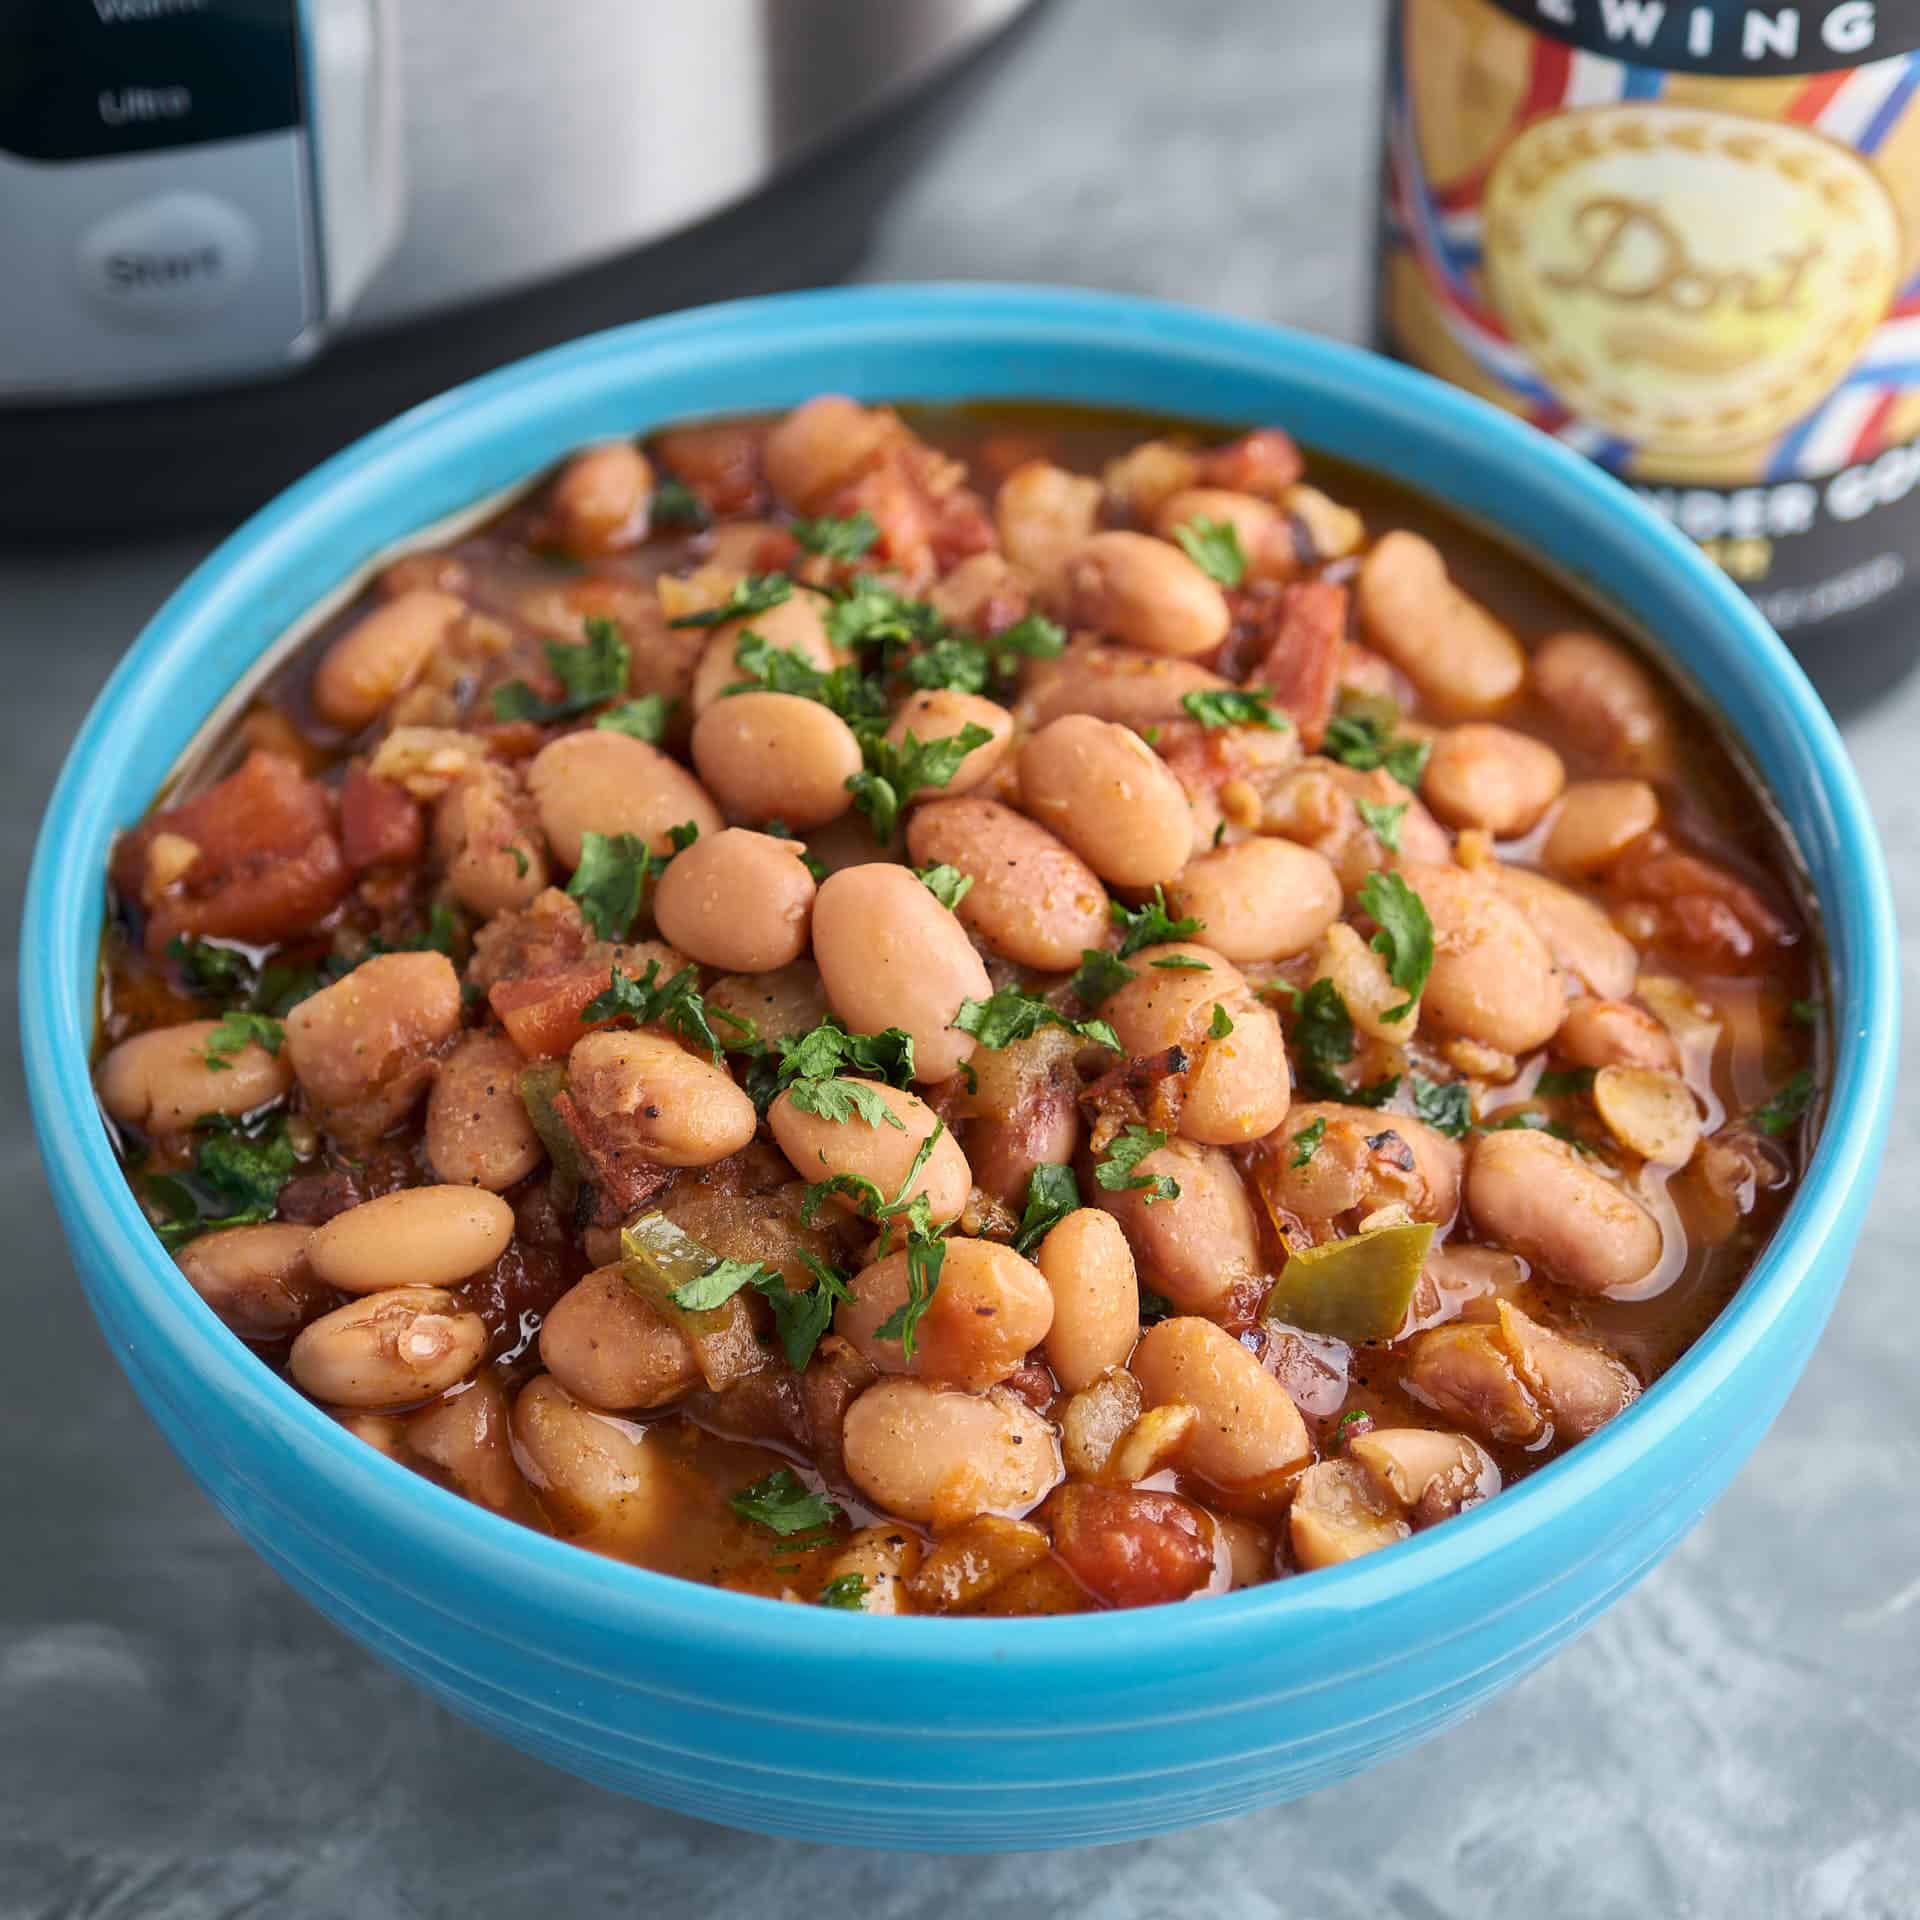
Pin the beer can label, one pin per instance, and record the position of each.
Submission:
(1685, 239)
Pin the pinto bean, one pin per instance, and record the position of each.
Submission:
(599, 781)
(418, 1237)
(1033, 899)
(1249, 1433)
(1615, 1033)
(478, 1133)
(362, 1049)
(890, 955)
(932, 1455)
(1433, 1476)
(1195, 1246)
(390, 1349)
(600, 499)
(1265, 533)
(884, 1559)
(1041, 1129)
(381, 655)
(1359, 1166)
(823, 444)
(883, 1154)
(657, 1102)
(796, 625)
(1463, 1372)
(989, 1311)
(1044, 515)
(612, 1349)
(1493, 977)
(1238, 1085)
(1455, 652)
(1598, 821)
(1260, 899)
(165, 1079)
(1110, 797)
(588, 1470)
(1121, 684)
(938, 713)
(1606, 699)
(770, 1006)
(466, 1435)
(1579, 1384)
(495, 859)
(1144, 593)
(1578, 934)
(1096, 1297)
(1481, 775)
(766, 756)
(1536, 1196)
(255, 1278)
(1340, 1511)
(740, 900)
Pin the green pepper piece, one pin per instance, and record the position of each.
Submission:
(1355, 1290)
(539, 1086)
(657, 1257)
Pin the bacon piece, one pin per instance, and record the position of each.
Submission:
(1132, 1548)
(380, 823)
(622, 1182)
(1264, 462)
(264, 862)
(721, 466)
(1705, 912)
(1307, 621)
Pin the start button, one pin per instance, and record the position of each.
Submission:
(166, 261)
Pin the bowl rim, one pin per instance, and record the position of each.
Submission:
(549, 1572)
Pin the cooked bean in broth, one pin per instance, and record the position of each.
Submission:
(987, 1011)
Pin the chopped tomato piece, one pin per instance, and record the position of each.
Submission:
(542, 1015)
(380, 822)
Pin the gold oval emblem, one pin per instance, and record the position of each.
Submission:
(1691, 281)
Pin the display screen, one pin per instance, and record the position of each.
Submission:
(82, 79)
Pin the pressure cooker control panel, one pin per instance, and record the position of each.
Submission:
(161, 187)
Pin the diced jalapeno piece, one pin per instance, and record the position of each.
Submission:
(657, 1257)
(539, 1086)
(1357, 1289)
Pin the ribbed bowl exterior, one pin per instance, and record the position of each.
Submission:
(967, 1734)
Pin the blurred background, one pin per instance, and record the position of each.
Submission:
(182, 1737)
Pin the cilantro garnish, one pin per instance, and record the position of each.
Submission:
(1221, 1024)
(1099, 975)
(893, 773)
(846, 1591)
(675, 504)
(784, 1504)
(925, 1258)
(1528, 1121)
(1214, 547)
(1363, 741)
(237, 1030)
(802, 1314)
(235, 1181)
(947, 884)
(1307, 1141)
(1782, 1108)
(1234, 707)
(1116, 1172)
(770, 669)
(720, 1283)
(757, 593)
(589, 673)
(1574, 1080)
(641, 719)
(610, 881)
(1405, 937)
(1376, 1093)
(1150, 926)
(869, 613)
(971, 663)
(1804, 1013)
(1445, 1105)
(837, 539)
(677, 1004)
(1052, 1194)
(840, 1100)
(1322, 1039)
(211, 970)
(1384, 821)
(829, 1050)
(1181, 963)
(1011, 1015)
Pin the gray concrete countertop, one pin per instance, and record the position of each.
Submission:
(181, 1738)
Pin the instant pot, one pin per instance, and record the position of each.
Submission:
(236, 233)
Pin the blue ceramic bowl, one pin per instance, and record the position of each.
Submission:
(938, 1733)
